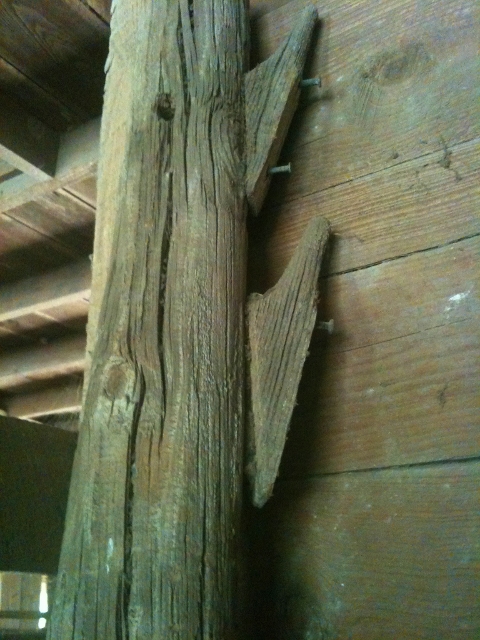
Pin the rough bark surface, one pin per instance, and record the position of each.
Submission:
(150, 546)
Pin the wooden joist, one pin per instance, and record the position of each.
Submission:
(76, 161)
(25, 142)
(60, 287)
(57, 358)
(59, 398)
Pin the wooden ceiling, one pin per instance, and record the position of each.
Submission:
(52, 57)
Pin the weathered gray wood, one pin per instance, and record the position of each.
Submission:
(272, 90)
(280, 325)
(151, 542)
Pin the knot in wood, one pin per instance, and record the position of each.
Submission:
(164, 106)
(119, 380)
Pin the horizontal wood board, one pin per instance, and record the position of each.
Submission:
(60, 46)
(369, 556)
(400, 80)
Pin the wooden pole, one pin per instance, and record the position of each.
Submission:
(151, 542)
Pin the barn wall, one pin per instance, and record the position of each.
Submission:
(373, 529)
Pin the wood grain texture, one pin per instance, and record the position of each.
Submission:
(386, 554)
(157, 481)
(61, 46)
(36, 462)
(279, 329)
(21, 590)
(48, 108)
(272, 91)
(411, 207)
(414, 399)
(400, 80)
(24, 252)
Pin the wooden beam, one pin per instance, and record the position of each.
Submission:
(61, 357)
(61, 398)
(25, 142)
(76, 160)
(56, 288)
(36, 462)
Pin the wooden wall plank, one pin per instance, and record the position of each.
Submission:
(36, 462)
(405, 296)
(400, 80)
(66, 221)
(370, 556)
(407, 208)
(62, 357)
(61, 46)
(410, 400)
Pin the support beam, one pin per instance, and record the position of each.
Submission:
(36, 462)
(76, 160)
(57, 358)
(25, 142)
(65, 398)
(151, 545)
(60, 287)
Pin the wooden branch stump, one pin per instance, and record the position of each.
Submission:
(151, 542)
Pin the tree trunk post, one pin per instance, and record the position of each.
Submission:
(150, 548)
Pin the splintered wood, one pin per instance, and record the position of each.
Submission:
(151, 546)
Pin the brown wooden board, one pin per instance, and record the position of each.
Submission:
(60, 45)
(76, 162)
(402, 297)
(400, 80)
(408, 208)
(25, 253)
(63, 397)
(62, 357)
(36, 462)
(60, 288)
(65, 220)
(414, 399)
(369, 556)
(398, 381)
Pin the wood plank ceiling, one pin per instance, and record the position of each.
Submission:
(52, 56)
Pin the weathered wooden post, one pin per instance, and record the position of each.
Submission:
(150, 546)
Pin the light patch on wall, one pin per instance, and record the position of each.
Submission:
(43, 603)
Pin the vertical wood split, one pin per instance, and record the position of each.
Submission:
(150, 547)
